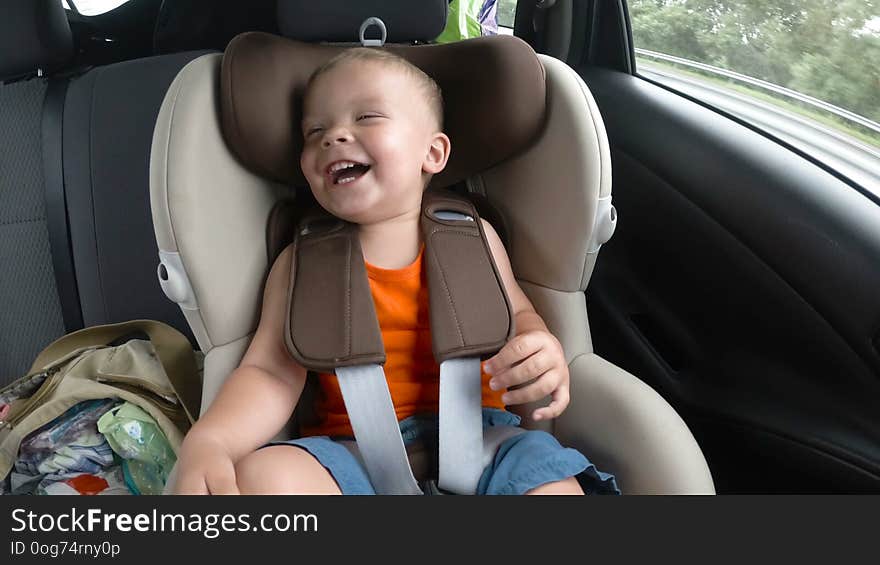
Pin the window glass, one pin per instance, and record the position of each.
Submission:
(506, 13)
(93, 7)
(806, 71)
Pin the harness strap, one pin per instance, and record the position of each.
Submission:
(331, 320)
(332, 325)
(470, 312)
(461, 425)
(493, 437)
(372, 416)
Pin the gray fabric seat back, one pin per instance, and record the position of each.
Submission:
(109, 117)
(33, 35)
(104, 130)
(30, 310)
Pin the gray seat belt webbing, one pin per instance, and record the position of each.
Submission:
(461, 425)
(372, 416)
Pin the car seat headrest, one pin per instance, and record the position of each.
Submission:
(493, 91)
(340, 20)
(34, 34)
(209, 24)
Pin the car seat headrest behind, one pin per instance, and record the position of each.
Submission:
(340, 20)
(209, 24)
(493, 91)
(34, 34)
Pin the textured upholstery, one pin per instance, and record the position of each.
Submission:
(30, 311)
(109, 116)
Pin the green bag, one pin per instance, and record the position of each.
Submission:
(160, 376)
(461, 21)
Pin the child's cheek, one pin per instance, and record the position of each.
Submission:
(307, 164)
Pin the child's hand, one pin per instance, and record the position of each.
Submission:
(531, 356)
(204, 468)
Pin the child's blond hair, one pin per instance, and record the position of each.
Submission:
(433, 95)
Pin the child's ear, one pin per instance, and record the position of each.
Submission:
(438, 154)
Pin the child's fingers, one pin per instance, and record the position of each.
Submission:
(540, 388)
(556, 407)
(513, 351)
(530, 368)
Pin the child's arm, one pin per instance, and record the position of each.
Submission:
(254, 403)
(533, 353)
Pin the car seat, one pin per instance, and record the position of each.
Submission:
(211, 201)
(35, 44)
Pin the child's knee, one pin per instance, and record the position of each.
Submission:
(249, 469)
(568, 486)
(283, 470)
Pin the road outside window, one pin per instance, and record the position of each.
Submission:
(805, 71)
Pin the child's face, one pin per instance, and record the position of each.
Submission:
(373, 116)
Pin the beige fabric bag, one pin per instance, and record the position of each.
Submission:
(159, 375)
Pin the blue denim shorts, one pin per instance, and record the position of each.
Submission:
(522, 462)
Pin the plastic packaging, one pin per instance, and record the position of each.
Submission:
(469, 18)
(136, 438)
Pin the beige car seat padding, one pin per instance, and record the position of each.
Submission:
(566, 317)
(565, 314)
(220, 234)
(551, 191)
(626, 428)
(213, 211)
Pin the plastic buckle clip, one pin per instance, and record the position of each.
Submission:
(369, 22)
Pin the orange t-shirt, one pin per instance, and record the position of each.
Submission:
(401, 300)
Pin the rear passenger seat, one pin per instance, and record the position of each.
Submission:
(103, 268)
(109, 115)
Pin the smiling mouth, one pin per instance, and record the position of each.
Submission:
(344, 172)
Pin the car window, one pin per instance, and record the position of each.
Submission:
(92, 7)
(805, 71)
(506, 13)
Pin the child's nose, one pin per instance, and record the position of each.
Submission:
(336, 135)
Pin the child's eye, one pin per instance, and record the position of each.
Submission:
(366, 117)
(314, 130)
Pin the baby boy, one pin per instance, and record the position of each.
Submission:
(372, 129)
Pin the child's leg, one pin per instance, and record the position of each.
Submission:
(283, 469)
(566, 486)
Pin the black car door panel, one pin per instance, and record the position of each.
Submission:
(742, 283)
